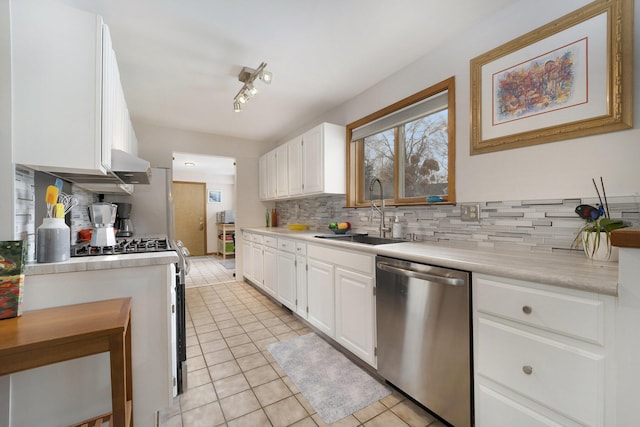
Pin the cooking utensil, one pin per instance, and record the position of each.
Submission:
(51, 198)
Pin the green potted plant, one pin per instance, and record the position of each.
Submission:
(595, 234)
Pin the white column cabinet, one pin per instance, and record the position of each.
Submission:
(270, 278)
(257, 259)
(355, 321)
(540, 355)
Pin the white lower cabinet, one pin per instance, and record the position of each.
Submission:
(257, 260)
(320, 296)
(247, 256)
(270, 268)
(540, 355)
(354, 313)
(340, 298)
(301, 280)
(287, 273)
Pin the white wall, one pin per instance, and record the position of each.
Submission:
(6, 167)
(6, 164)
(554, 170)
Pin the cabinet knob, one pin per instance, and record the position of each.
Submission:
(527, 369)
(526, 309)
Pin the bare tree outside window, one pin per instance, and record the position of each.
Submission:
(409, 146)
(426, 163)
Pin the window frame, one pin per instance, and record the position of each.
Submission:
(355, 197)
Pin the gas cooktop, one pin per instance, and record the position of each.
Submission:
(123, 246)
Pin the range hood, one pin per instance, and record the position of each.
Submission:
(129, 168)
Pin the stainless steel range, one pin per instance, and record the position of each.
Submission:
(140, 245)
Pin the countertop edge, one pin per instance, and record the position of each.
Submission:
(102, 262)
(561, 270)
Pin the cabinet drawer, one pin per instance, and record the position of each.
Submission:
(301, 248)
(351, 260)
(287, 245)
(496, 410)
(562, 377)
(270, 241)
(256, 238)
(570, 315)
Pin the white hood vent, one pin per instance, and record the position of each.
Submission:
(129, 168)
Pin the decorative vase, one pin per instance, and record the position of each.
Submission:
(597, 246)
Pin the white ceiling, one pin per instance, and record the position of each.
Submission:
(179, 59)
(202, 166)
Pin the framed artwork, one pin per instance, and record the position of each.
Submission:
(215, 196)
(570, 78)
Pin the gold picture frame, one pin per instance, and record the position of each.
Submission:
(570, 78)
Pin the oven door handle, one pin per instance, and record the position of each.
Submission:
(420, 275)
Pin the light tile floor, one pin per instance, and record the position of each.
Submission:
(234, 381)
(207, 270)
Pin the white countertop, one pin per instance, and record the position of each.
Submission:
(103, 262)
(564, 270)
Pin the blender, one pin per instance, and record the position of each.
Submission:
(123, 220)
(103, 216)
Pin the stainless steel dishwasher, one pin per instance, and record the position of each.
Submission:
(424, 341)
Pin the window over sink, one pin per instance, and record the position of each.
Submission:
(409, 146)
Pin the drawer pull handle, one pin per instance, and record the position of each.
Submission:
(526, 309)
(527, 369)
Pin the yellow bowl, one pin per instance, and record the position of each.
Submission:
(297, 227)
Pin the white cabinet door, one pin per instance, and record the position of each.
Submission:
(355, 323)
(301, 285)
(263, 183)
(282, 176)
(57, 88)
(294, 160)
(313, 161)
(257, 263)
(272, 183)
(320, 296)
(287, 279)
(247, 257)
(270, 278)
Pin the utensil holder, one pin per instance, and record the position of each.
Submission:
(53, 241)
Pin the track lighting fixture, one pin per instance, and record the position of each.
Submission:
(248, 76)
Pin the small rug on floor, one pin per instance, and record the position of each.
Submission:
(229, 265)
(335, 386)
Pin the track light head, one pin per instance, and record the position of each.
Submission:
(248, 76)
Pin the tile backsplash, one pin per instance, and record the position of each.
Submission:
(524, 225)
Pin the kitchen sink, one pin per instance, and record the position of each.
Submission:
(360, 238)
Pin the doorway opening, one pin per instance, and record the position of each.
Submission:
(204, 194)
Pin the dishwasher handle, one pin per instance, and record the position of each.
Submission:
(420, 275)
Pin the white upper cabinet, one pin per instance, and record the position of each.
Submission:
(282, 176)
(315, 163)
(69, 108)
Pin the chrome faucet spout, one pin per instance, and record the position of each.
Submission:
(380, 209)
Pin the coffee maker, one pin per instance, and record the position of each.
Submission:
(103, 216)
(123, 220)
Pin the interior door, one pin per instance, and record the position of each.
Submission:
(190, 215)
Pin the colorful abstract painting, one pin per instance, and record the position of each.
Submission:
(540, 85)
(12, 258)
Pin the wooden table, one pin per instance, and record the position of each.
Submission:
(51, 335)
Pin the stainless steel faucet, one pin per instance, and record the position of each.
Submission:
(380, 209)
